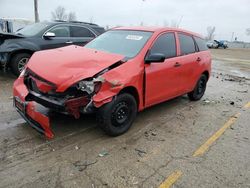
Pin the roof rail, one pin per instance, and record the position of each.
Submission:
(76, 22)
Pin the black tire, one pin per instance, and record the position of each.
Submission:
(18, 61)
(116, 117)
(199, 89)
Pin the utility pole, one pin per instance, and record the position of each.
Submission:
(36, 11)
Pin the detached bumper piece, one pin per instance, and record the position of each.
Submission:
(35, 115)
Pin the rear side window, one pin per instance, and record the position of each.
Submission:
(166, 45)
(201, 43)
(186, 44)
(81, 32)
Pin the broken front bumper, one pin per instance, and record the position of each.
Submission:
(37, 119)
(35, 114)
(34, 107)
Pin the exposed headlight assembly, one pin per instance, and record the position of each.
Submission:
(89, 86)
(22, 74)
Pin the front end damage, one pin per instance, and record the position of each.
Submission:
(35, 97)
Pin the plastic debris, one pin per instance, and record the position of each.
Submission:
(103, 153)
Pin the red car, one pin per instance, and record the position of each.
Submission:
(116, 75)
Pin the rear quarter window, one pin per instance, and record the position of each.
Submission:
(201, 44)
(187, 44)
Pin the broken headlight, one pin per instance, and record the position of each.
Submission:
(89, 86)
(22, 74)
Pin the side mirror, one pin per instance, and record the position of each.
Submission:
(155, 58)
(49, 35)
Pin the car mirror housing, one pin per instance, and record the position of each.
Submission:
(155, 58)
(49, 35)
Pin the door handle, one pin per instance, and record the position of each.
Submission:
(198, 59)
(177, 64)
(69, 42)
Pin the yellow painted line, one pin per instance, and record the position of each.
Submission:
(171, 179)
(203, 148)
(247, 105)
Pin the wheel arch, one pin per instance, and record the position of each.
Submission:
(18, 52)
(132, 91)
(206, 73)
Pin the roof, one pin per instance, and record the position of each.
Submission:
(157, 29)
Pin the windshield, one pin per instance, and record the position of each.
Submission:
(31, 30)
(124, 42)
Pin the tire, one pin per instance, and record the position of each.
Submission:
(199, 89)
(116, 117)
(18, 62)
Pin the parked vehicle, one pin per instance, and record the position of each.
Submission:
(217, 44)
(121, 72)
(16, 49)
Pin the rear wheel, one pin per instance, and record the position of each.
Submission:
(199, 89)
(18, 62)
(116, 117)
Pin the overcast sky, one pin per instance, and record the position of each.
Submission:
(227, 16)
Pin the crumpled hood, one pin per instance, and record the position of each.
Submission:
(67, 65)
(4, 35)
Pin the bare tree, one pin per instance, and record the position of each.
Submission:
(59, 14)
(210, 32)
(72, 16)
(248, 31)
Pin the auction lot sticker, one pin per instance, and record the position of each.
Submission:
(134, 37)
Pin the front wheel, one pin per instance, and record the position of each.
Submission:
(18, 62)
(199, 89)
(116, 117)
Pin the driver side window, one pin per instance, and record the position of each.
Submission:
(165, 44)
(61, 31)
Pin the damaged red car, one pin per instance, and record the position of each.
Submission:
(116, 75)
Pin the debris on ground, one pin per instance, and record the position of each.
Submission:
(244, 91)
(103, 153)
(76, 148)
(232, 102)
(180, 116)
(150, 132)
(83, 165)
(140, 152)
(206, 101)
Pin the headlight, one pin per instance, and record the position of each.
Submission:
(89, 86)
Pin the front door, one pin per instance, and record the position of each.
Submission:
(62, 38)
(162, 79)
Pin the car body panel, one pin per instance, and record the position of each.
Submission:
(71, 64)
(153, 83)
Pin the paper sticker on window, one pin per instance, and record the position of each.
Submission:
(134, 37)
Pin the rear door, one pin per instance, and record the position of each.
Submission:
(81, 35)
(188, 60)
(62, 37)
(162, 79)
